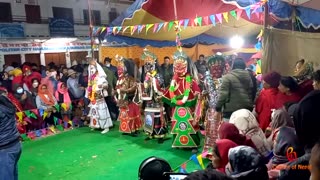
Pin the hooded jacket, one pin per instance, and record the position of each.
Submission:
(236, 92)
(9, 134)
(306, 121)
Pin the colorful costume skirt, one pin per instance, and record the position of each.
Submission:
(99, 115)
(185, 132)
(130, 119)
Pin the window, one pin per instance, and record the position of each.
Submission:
(63, 13)
(33, 14)
(5, 12)
(96, 17)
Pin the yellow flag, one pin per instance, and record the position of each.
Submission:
(103, 29)
(70, 122)
(64, 106)
(114, 29)
(20, 115)
(148, 27)
(45, 114)
(226, 16)
(199, 157)
(260, 34)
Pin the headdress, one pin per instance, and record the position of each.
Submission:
(181, 61)
(148, 57)
(127, 65)
(216, 58)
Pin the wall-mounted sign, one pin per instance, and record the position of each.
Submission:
(61, 28)
(11, 30)
(10, 48)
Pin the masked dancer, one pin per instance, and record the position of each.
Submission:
(183, 95)
(126, 93)
(97, 88)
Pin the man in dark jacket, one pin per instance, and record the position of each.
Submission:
(10, 146)
(107, 62)
(166, 71)
(236, 91)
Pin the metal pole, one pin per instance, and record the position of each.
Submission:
(175, 10)
(91, 29)
(266, 15)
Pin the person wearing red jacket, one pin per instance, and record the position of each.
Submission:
(288, 92)
(266, 101)
(29, 76)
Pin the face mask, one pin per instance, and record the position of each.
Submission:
(19, 90)
(53, 74)
(108, 65)
(35, 84)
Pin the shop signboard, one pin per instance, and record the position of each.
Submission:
(11, 30)
(61, 28)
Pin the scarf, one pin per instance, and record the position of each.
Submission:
(223, 146)
(281, 117)
(305, 72)
(244, 159)
(247, 124)
(285, 138)
(231, 132)
(50, 101)
(64, 92)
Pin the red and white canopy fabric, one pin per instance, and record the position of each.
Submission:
(161, 11)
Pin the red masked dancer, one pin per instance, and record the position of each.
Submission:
(126, 92)
(183, 95)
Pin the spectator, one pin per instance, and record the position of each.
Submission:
(10, 146)
(167, 71)
(107, 62)
(315, 162)
(220, 154)
(288, 88)
(236, 91)
(245, 163)
(77, 91)
(64, 77)
(316, 80)
(267, 98)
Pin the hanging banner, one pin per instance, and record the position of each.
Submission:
(11, 30)
(61, 28)
(13, 48)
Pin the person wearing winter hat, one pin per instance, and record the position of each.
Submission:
(266, 99)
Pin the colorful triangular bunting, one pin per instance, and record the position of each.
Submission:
(233, 14)
(219, 17)
(160, 26)
(226, 16)
(170, 25)
(186, 22)
(213, 19)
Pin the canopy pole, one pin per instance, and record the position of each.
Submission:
(91, 28)
(266, 15)
(175, 10)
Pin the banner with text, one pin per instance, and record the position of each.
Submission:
(11, 31)
(61, 28)
(10, 48)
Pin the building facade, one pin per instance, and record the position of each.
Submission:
(44, 31)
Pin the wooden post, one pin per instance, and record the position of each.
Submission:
(91, 29)
(266, 15)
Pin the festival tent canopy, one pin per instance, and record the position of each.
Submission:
(306, 11)
(162, 12)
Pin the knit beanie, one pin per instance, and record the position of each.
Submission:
(272, 78)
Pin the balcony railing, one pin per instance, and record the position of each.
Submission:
(45, 20)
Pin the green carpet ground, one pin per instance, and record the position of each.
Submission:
(85, 154)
